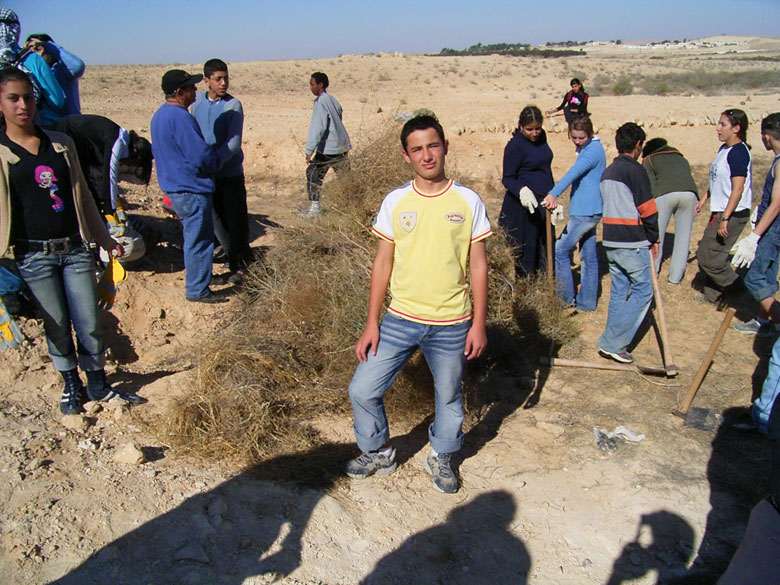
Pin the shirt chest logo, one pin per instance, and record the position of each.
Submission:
(455, 217)
(408, 220)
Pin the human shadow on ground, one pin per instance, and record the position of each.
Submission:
(510, 377)
(224, 535)
(668, 551)
(475, 546)
(738, 472)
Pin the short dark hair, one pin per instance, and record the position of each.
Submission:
(141, 154)
(652, 145)
(627, 136)
(211, 66)
(40, 36)
(320, 77)
(771, 125)
(421, 123)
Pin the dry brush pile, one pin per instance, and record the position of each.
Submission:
(287, 354)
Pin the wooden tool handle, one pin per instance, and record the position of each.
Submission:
(694, 388)
(548, 222)
(578, 364)
(659, 311)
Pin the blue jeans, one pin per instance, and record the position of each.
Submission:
(629, 299)
(65, 290)
(195, 212)
(581, 230)
(761, 277)
(683, 205)
(762, 406)
(9, 282)
(443, 348)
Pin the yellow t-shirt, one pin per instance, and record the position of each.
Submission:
(432, 235)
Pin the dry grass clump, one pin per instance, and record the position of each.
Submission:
(287, 355)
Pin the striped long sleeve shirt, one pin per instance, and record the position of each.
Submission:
(630, 215)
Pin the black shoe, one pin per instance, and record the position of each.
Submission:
(99, 390)
(71, 394)
(209, 298)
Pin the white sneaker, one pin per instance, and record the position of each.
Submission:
(314, 210)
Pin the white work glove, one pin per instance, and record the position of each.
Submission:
(528, 199)
(745, 250)
(753, 218)
(556, 215)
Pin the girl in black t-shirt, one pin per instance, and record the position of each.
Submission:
(575, 102)
(46, 214)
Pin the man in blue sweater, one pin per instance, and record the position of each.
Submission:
(327, 143)
(221, 120)
(185, 169)
(630, 236)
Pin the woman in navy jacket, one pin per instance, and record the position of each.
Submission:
(528, 179)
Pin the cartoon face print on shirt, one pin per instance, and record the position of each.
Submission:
(45, 178)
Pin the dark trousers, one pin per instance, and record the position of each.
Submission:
(526, 233)
(318, 168)
(230, 207)
(713, 254)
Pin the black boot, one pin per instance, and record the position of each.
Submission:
(99, 390)
(70, 403)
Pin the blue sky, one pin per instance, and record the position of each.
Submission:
(146, 31)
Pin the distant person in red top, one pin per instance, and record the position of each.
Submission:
(575, 102)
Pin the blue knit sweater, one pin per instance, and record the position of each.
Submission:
(185, 163)
(584, 177)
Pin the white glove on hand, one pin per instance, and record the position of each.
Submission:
(528, 199)
(556, 215)
(745, 250)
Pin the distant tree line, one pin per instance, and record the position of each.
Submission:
(512, 49)
(566, 43)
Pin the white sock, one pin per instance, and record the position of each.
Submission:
(433, 452)
(387, 451)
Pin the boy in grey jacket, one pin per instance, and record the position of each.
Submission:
(327, 144)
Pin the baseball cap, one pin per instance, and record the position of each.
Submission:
(177, 78)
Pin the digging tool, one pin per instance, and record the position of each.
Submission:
(548, 225)
(654, 370)
(671, 369)
(698, 418)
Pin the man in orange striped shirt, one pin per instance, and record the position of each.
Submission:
(630, 237)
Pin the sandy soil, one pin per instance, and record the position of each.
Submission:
(539, 502)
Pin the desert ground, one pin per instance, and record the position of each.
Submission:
(539, 502)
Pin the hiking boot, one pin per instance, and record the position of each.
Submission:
(623, 357)
(439, 467)
(370, 463)
(99, 390)
(71, 402)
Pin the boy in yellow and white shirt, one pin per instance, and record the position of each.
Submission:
(429, 231)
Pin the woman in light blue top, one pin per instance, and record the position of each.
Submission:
(584, 215)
